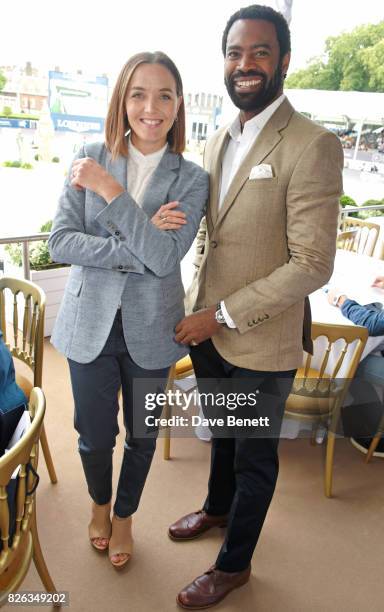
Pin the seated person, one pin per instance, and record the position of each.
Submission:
(371, 369)
(12, 398)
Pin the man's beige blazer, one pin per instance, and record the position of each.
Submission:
(273, 241)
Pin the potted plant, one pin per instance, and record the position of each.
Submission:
(50, 276)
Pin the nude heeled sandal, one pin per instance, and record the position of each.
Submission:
(121, 541)
(100, 526)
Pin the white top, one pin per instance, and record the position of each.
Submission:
(140, 170)
(240, 142)
(238, 146)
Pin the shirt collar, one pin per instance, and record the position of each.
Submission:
(253, 126)
(150, 160)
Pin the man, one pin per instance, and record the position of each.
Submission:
(276, 179)
(12, 398)
(368, 418)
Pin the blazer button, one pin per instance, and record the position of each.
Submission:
(120, 267)
(213, 244)
(255, 322)
(117, 233)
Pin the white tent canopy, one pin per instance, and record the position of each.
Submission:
(357, 106)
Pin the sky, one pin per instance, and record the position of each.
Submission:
(78, 35)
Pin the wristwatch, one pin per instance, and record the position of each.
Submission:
(336, 298)
(219, 316)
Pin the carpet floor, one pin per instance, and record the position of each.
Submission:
(314, 554)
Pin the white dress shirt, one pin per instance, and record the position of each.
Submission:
(140, 170)
(238, 146)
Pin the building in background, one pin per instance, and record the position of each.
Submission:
(25, 89)
(46, 116)
(203, 112)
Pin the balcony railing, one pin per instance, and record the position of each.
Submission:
(25, 240)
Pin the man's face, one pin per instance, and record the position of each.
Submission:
(253, 71)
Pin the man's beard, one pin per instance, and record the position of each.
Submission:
(257, 100)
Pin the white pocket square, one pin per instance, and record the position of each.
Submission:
(261, 171)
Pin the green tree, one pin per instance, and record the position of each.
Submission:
(373, 60)
(352, 61)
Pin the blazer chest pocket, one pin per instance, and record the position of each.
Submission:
(74, 286)
(262, 184)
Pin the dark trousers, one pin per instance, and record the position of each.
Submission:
(243, 470)
(95, 388)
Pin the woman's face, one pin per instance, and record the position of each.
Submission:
(151, 104)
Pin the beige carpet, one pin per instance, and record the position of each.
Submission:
(315, 554)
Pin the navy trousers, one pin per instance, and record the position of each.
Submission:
(243, 470)
(95, 389)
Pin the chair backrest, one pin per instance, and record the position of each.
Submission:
(27, 342)
(346, 240)
(23, 454)
(365, 235)
(339, 340)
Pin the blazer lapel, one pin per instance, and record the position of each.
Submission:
(118, 168)
(213, 166)
(267, 140)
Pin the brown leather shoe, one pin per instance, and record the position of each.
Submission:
(210, 588)
(194, 524)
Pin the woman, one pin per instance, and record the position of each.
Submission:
(124, 295)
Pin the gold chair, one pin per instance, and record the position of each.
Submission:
(16, 556)
(27, 346)
(318, 396)
(181, 369)
(365, 236)
(375, 440)
(346, 240)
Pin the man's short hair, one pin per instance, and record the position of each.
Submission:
(266, 13)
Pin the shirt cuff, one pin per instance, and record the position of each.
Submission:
(346, 305)
(227, 318)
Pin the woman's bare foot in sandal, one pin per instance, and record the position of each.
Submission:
(121, 541)
(100, 527)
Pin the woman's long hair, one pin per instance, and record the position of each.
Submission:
(117, 124)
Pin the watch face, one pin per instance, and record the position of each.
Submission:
(219, 316)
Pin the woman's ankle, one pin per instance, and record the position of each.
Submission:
(101, 505)
(122, 518)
